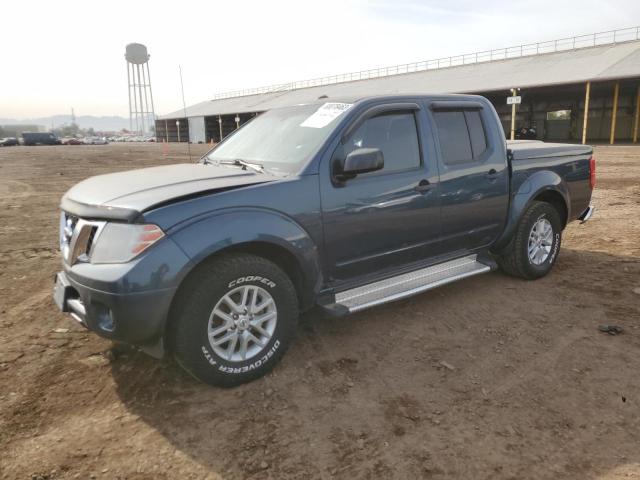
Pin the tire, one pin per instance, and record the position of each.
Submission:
(203, 317)
(515, 259)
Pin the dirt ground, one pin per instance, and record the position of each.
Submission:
(488, 378)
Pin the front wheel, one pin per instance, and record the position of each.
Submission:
(535, 245)
(233, 320)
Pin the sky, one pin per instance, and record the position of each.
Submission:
(66, 54)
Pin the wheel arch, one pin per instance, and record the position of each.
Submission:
(546, 186)
(259, 232)
(276, 253)
(555, 199)
(279, 255)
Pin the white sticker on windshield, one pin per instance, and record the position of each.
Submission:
(325, 114)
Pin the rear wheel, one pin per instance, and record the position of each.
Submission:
(535, 244)
(234, 320)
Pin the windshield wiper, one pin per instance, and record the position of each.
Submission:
(244, 164)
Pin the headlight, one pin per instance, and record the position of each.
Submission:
(122, 242)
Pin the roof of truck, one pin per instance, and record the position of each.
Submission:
(398, 96)
(613, 61)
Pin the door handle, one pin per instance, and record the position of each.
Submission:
(492, 174)
(423, 186)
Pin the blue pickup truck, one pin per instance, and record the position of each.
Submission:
(341, 205)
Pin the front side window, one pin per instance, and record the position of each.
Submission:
(395, 134)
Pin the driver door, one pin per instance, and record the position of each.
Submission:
(385, 219)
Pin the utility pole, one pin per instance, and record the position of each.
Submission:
(637, 117)
(513, 100)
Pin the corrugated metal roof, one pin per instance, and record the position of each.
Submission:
(606, 62)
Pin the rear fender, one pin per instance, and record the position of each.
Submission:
(537, 185)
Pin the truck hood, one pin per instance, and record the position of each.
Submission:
(124, 195)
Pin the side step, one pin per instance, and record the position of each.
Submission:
(407, 284)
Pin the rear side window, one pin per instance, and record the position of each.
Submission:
(461, 135)
(395, 134)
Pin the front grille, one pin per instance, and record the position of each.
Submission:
(92, 236)
(77, 237)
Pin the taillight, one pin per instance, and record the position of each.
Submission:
(592, 172)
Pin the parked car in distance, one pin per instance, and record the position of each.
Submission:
(96, 141)
(345, 205)
(40, 138)
(72, 141)
(9, 142)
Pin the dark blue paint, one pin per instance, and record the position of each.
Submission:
(340, 234)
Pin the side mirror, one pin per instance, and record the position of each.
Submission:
(362, 160)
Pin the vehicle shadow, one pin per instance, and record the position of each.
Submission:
(491, 377)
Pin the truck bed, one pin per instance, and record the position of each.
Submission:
(531, 149)
(569, 161)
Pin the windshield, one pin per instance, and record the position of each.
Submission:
(280, 140)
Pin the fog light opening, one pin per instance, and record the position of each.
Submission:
(104, 317)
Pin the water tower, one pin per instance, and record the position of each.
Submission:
(141, 110)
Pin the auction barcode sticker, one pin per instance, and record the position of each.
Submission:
(326, 114)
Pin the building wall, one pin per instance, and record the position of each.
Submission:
(167, 130)
(196, 130)
(536, 104)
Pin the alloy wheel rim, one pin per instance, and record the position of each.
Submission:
(242, 323)
(540, 241)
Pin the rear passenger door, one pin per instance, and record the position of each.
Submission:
(474, 176)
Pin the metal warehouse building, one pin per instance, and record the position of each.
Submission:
(578, 89)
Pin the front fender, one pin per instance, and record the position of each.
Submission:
(214, 232)
(534, 186)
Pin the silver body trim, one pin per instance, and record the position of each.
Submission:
(587, 214)
(411, 283)
(77, 310)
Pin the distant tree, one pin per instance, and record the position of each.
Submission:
(91, 132)
(1, 132)
(70, 130)
(152, 128)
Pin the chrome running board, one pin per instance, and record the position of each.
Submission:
(408, 284)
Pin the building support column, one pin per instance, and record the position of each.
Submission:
(220, 125)
(637, 119)
(614, 114)
(585, 122)
(513, 116)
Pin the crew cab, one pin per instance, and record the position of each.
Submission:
(341, 205)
